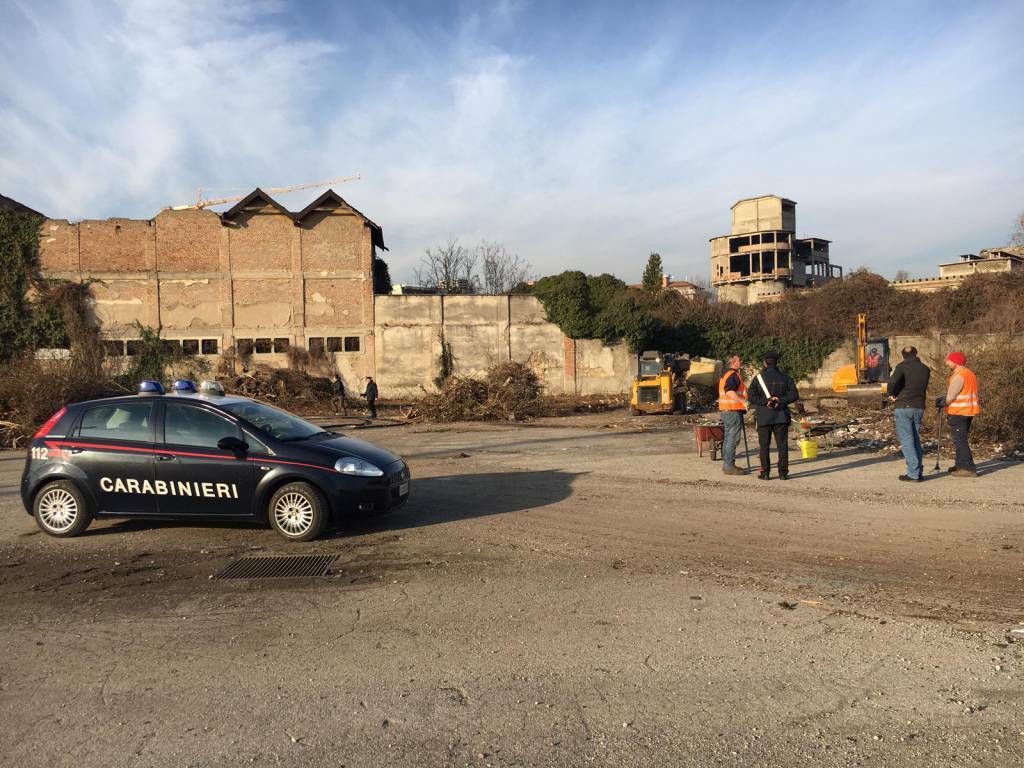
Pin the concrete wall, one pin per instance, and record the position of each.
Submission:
(483, 331)
(821, 379)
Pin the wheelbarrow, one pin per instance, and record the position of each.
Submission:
(709, 437)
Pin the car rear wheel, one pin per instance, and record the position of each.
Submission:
(298, 512)
(60, 510)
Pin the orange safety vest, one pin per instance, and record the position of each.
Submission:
(729, 404)
(967, 403)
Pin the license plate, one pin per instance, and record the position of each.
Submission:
(403, 488)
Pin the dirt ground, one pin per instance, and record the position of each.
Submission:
(582, 591)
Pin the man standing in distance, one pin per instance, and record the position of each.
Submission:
(772, 392)
(908, 387)
(370, 393)
(962, 402)
(732, 403)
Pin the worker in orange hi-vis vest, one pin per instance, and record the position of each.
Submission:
(732, 402)
(962, 403)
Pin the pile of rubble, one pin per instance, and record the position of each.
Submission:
(508, 392)
(288, 389)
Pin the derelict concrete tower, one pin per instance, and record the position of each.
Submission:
(762, 258)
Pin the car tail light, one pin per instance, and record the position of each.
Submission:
(45, 429)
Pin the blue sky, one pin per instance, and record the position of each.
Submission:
(581, 135)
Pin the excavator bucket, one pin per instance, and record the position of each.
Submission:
(844, 378)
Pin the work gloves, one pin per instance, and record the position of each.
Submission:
(940, 402)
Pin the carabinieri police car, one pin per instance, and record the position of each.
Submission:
(193, 455)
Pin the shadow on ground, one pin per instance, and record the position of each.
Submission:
(433, 500)
(448, 498)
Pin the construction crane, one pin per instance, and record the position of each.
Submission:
(201, 203)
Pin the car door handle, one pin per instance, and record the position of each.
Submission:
(75, 450)
(164, 457)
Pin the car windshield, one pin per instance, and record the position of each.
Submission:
(274, 421)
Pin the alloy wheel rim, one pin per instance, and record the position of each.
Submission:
(293, 514)
(58, 510)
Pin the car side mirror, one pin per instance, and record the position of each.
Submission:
(232, 444)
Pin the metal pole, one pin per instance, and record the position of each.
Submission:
(746, 450)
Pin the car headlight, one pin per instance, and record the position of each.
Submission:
(349, 465)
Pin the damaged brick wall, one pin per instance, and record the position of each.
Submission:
(259, 273)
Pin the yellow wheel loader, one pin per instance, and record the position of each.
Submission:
(660, 385)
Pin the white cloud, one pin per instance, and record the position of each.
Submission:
(902, 143)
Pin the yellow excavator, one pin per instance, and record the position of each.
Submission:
(865, 382)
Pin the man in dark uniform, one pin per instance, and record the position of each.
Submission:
(771, 393)
(370, 393)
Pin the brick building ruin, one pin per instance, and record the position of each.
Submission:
(256, 277)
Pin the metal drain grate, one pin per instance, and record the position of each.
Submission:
(284, 567)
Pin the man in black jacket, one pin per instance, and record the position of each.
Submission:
(908, 387)
(771, 393)
(370, 393)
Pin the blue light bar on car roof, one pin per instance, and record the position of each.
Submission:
(183, 387)
(150, 387)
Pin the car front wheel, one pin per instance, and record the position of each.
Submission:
(298, 512)
(60, 510)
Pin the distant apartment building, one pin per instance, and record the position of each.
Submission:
(762, 258)
(986, 261)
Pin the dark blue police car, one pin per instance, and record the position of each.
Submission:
(201, 455)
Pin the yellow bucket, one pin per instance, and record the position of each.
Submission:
(809, 448)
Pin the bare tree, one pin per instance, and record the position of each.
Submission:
(901, 274)
(501, 271)
(1017, 236)
(450, 268)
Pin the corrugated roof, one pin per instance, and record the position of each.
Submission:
(330, 196)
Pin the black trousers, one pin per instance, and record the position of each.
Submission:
(764, 438)
(959, 430)
(373, 407)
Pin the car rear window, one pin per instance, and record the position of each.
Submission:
(123, 421)
(189, 425)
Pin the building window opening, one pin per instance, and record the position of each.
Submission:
(244, 346)
(768, 237)
(190, 346)
(281, 345)
(738, 242)
(133, 347)
(173, 346)
(316, 345)
(352, 343)
(114, 348)
(210, 346)
(334, 343)
(740, 265)
(263, 346)
(768, 261)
